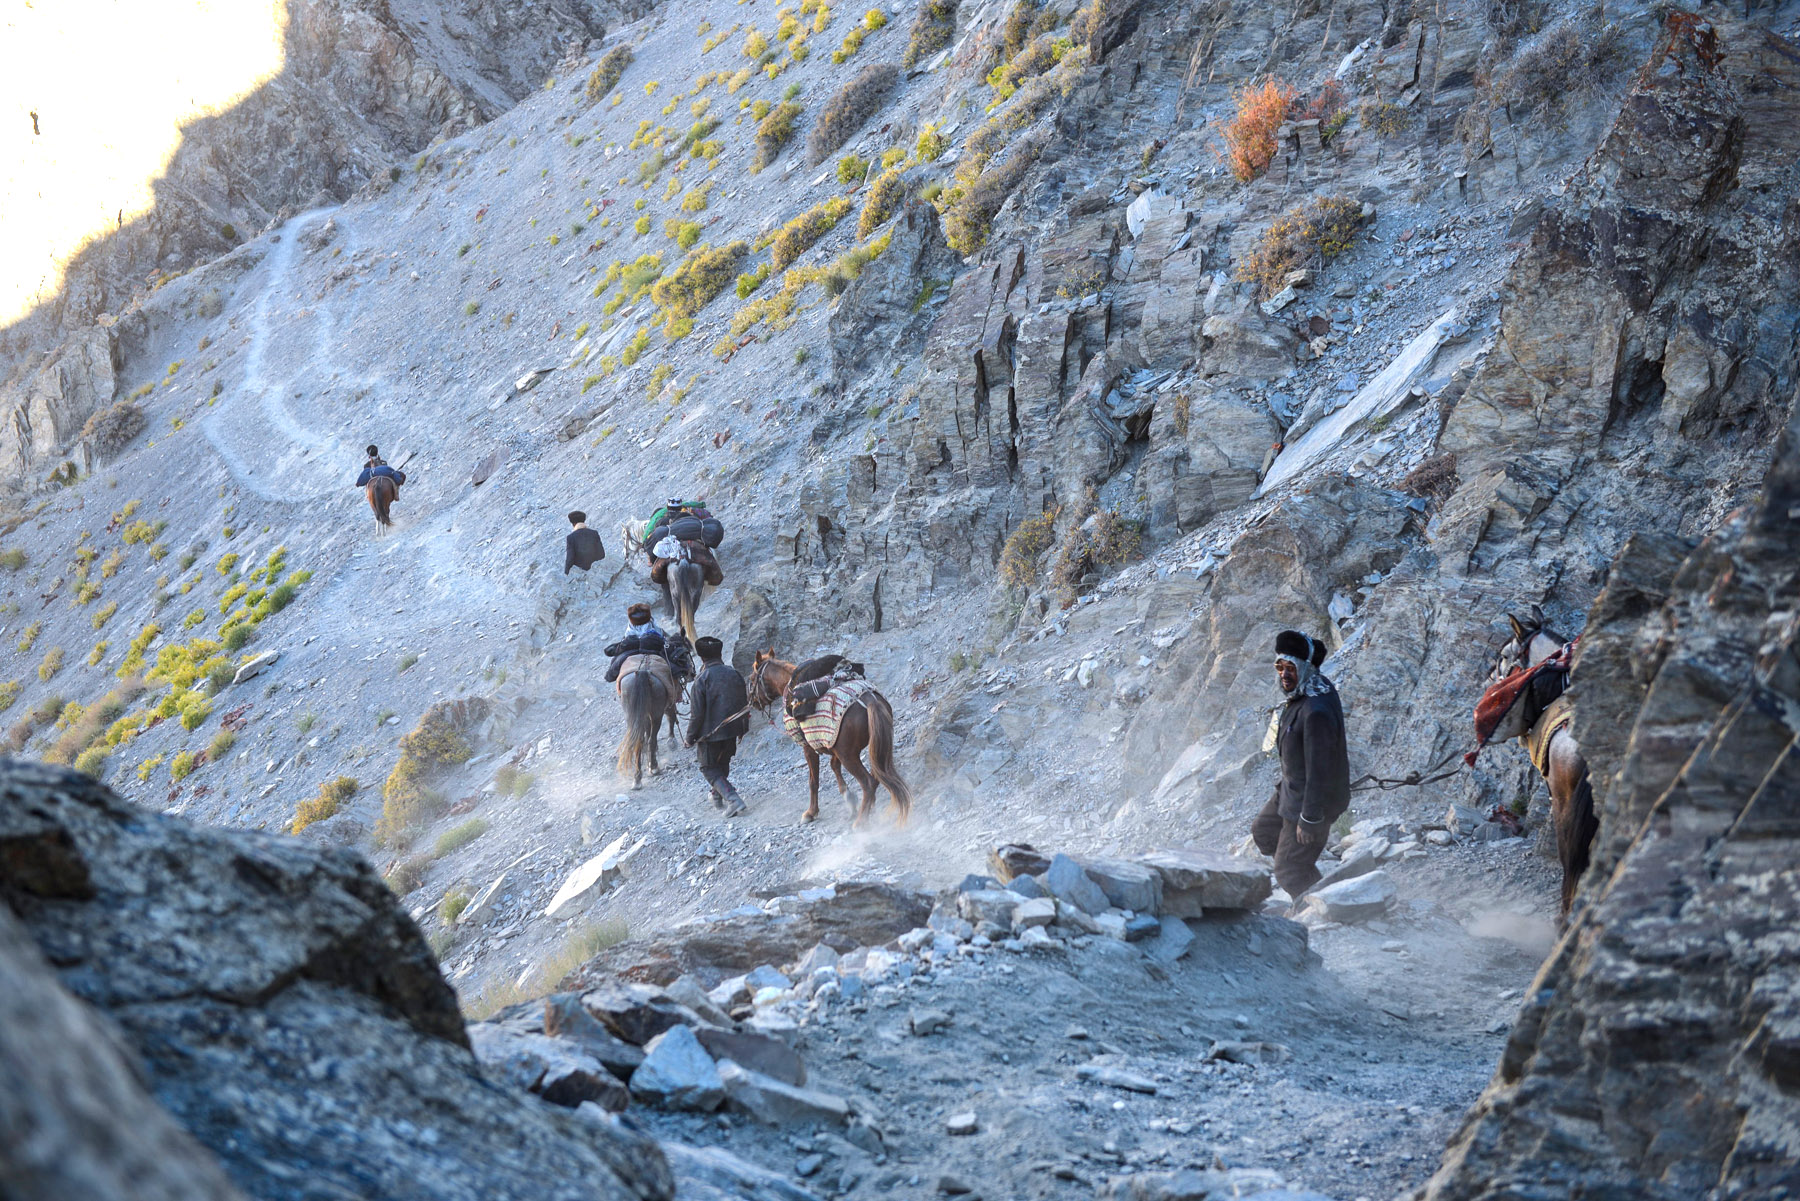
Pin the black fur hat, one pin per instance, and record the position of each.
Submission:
(1296, 645)
(577, 517)
(373, 453)
(639, 614)
(708, 647)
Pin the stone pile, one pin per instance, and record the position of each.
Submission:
(1034, 899)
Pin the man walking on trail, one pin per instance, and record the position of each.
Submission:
(720, 717)
(1314, 790)
(583, 547)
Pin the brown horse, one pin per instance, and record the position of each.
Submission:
(1557, 757)
(381, 492)
(869, 723)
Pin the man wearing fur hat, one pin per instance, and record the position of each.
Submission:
(721, 716)
(1314, 790)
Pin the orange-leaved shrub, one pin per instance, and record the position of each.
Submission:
(1250, 134)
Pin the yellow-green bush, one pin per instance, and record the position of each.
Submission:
(52, 663)
(459, 836)
(182, 766)
(330, 799)
(437, 741)
(756, 44)
(148, 766)
(932, 29)
(92, 761)
(884, 197)
(227, 563)
(852, 169)
(797, 236)
(9, 692)
(104, 614)
(773, 132)
(750, 281)
(611, 66)
(850, 109)
(698, 278)
(29, 636)
(970, 212)
(134, 654)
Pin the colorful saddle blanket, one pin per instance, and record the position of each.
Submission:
(819, 729)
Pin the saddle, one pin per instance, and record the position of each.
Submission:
(656, 665)
(1557, 716)
(803, 698)
(697, 552)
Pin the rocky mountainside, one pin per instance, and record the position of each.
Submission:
(1047, 359)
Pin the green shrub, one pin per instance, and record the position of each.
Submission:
(510, 781)
(459, 836)
(606, 74)
(227, 563)
(798, 236)
(148, 766)
(452, 906)
(183, 765)
(698, 278)
(750, 281)
(104, 614)
(12, 559)
(437, 741)
(330, 799)
(968, 218)
(9, 692)
(884, 197)
(92, 761)
(220, 746)
(850, 109)
(406, 875)
(773, 132)
(852, 169)
(932, 29)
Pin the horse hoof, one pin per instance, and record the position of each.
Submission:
(809, 817)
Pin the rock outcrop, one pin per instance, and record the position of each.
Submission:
(1658, 1052)
(286, 1011)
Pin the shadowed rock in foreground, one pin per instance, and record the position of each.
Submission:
(1658, 1054)
(284, 1008)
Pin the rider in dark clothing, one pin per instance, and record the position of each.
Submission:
(583, 547)
(643, 638)
(1314, 790)
(376, 465)
(720, 717)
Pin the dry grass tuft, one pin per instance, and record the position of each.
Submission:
(1303, 236)
(850, 109)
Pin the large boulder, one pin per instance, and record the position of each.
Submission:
(285, 1009)
(1194, 881)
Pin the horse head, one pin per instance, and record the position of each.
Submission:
(1532, 642)
(769, 678)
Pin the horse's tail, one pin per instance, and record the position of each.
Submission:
(381, 494)
(881, 752)
(639, 692)
(690, 580)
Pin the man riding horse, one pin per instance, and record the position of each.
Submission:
(375, 465)
(642, 637)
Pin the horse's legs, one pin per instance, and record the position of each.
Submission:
(851, 757)
(843, 788)
(812, 783)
